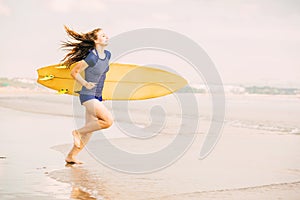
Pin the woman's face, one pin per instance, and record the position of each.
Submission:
(102, 38)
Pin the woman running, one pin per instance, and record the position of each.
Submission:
(89, 55)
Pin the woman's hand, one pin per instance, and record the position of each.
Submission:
(89, 85)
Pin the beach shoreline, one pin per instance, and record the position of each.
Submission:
(248, 162)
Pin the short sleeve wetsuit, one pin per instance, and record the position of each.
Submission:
(96, 73)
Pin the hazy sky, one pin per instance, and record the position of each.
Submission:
(250, 41)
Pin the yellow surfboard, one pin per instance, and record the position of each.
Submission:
(123, 81)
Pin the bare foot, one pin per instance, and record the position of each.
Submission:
(72, 161)
(76, 138)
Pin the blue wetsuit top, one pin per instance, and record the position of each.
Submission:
(96, 72)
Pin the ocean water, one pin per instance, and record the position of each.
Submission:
(277, 113)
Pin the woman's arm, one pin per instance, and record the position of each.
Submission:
(75, 73)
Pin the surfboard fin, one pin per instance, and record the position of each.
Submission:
(62, 91)
(47, 77)
(61, 67)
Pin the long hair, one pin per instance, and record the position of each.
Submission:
(79, 48)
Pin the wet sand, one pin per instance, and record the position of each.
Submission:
(251, 165)
(247, 163)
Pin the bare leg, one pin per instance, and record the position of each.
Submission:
(102, 119)
(91, 116)
(83, 141)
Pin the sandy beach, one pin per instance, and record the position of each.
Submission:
(229, 128)
(257, 156)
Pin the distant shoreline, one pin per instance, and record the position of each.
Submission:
(12, 85)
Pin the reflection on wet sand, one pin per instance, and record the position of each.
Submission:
(78, 194)
(85, 186)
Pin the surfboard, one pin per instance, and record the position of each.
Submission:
(123, 81)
